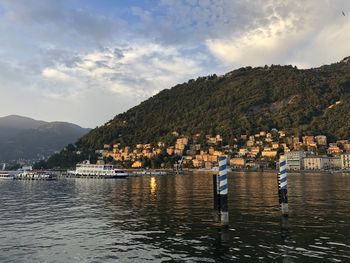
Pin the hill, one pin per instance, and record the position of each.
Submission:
(26, 138)
(244, 101)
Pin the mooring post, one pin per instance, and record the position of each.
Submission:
(282, 186)
(223, 189)
(216, 193)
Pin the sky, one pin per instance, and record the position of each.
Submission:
(84, 61)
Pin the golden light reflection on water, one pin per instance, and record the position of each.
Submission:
(153, 185)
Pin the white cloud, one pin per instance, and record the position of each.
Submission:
(54, 66)
(139, 70)
(55, 74)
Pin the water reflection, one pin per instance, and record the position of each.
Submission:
(153, 185)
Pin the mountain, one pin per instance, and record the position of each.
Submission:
(26, 138)
(244, 101)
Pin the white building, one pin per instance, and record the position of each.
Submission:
(345, 161)
(316, 163)
(321, 163)
(334, 163)
(294, 160)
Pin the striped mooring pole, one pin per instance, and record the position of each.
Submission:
(282, 186)
(220, 191)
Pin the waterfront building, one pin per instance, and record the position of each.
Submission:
(316, 163)
(237, 162)
(334, 163)
(197, 163)
(345, 161)
(294, 160)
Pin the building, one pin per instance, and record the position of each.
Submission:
(237, 162)
(268, 152)
(197, 163)
(316, 162)
(333, 149)
(250, 143)
(321, 140)
(334, 163)
(345, 161)
(347, 147)
(136, 164)
(294, 160)
(309, 140)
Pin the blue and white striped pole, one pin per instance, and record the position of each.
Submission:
(222, 190)
(282, 186)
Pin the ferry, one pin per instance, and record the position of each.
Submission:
(6, 176)
(88, 170)
(29, 175)
(151, 172)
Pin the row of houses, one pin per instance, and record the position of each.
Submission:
(299, 160)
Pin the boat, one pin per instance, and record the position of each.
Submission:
(151, 172)
(33, 175)
(88, 170)
(6, 176)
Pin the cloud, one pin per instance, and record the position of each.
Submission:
(255, 32)
(85, 61)
(138, 70)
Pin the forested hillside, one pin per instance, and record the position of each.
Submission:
(29, 139)
(242, 101)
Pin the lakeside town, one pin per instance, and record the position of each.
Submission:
(256, 151)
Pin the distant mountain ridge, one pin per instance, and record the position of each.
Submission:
(27, 138)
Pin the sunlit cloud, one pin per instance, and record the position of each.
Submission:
(61, 58)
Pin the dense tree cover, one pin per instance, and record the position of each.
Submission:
(243, 101)
(67, 158)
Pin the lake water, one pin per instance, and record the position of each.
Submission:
(170, 219)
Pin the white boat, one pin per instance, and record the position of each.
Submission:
(151, 172)
(86, 169)
(29, 175)
(6, 176)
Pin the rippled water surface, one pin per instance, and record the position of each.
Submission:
(170, 219)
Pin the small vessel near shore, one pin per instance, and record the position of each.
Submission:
(6, 176)
(32, 175)
(151, 172)
(87, 170)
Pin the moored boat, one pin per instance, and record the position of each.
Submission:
(32, 175)
(6, 176)
(87, 170)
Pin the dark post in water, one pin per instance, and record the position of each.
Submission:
(282, 186)
(220, 191)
